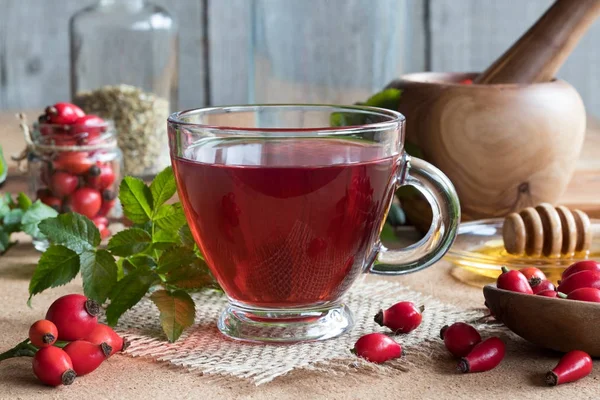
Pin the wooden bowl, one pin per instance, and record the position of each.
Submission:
(553, 323)
(505, 147)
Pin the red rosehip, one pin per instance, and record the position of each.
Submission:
(105, 334)
(86, 356)
(46, 197)
(585, 265)
(43, 333)
(85, 201)
(74, 315)
(63, 184)
(460, 338)
(63, 113)
(75, 162)
(100, 177)
(90, 126)
(377, 348)
(402, 317)
(53, 366)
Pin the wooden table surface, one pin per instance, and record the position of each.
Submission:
(519, 376)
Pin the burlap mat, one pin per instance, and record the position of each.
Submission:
(202, 348)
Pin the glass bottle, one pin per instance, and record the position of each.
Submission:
(124, 67)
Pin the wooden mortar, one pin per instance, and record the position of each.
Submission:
(504, 146)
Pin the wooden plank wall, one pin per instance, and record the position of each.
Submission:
(216, 44)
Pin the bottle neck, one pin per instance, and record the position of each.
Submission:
(128, 4)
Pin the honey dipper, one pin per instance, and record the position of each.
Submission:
(547, 230)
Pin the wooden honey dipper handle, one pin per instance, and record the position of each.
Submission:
(548, 231)
(541, 51)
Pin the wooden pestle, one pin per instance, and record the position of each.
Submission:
(548, 231)
(540, 52)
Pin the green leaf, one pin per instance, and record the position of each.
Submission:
(170, 217)
(185, 235)
(36, 213)
(387, 98)
(128, 292)
(5, 201)
(71, 230)
(167, 237)
(5, 242)
(12, 220)
(99, 274)
(163, 187)
(129, 242)
(142, 261)
(58, 265)
(3, 166)
(24, 201)
(177, 311)
(191, 277)
(136, 199)
(175, 257)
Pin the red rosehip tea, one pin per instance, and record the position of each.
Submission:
(286, 222)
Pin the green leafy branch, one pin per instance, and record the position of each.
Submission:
(157, 255)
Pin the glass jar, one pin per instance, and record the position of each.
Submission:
(75, 168)
(124, 67)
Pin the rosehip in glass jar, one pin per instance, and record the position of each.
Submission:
(75, 164)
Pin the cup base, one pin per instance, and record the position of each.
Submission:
(285, 326)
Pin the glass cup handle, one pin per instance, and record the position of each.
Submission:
(441, 195)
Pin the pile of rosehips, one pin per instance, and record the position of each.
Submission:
(69, 342)
(581, 281)
(76, 180)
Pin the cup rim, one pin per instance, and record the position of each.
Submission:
(395, 119)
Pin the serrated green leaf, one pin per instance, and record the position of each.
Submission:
(185, 235)
(170, 217)
(58, 265)
(129, 242)
(142, 261)
(71, 230)
(177, 312)
(175, 257)
(191, 277)
(136, 199)
(163, 187)
(24, 201)
(166, 236)
(128, 292)
(12, 220)
(99, 274)
(5, 204)
(36, 213)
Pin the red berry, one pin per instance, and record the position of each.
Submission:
(46, 197)
(460, 338)
(74, 315)
(90, 126)
(585, 294)
(104, 233)
(572, 366)
(402, 317)
(85, 201)
(513, 281)
(107, 205)
(105, 334)
(377, 348)
(101, 222)
(539, 286)
(86, 356)
(484, 356)
(75, 162)
(43, 333)
(466, 82)
(100, 177)
(581, 279)
(548, 293)
(586, 265)
(533, 272)
(63, 184)
(53, 366)
(63, 113)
